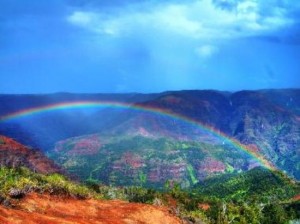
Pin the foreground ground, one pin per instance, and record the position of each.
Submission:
(44, 209)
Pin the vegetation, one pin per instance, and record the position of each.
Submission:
(146, 161)
(257, 196)
(256, 183)
(15, 183)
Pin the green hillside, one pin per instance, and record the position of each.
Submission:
(257, 184)
(267, 197)
(147, 161)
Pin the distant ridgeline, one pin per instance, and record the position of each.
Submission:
(148, 139)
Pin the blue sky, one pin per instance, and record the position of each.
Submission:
(148, 45)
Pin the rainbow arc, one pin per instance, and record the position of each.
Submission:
(102, 104)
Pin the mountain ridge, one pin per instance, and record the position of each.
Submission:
(265, 119)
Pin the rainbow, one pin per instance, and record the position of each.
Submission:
(103, 104)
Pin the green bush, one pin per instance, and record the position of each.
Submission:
(22, 181)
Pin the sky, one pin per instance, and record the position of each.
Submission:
(118, 46)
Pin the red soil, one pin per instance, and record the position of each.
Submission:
(14, 154)
(204, 206)
(296, 198)
(10, 144)
(135, 161)
(211, 165)
(45, 209)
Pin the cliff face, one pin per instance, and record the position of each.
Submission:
(14, 154)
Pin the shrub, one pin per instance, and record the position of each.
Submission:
(15, 183)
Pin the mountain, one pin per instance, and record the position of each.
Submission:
(267, 122)
(144, 160)
(251, 117)
(14, 154)
(263, 120)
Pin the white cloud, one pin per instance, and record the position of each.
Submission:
(81, 18)
(198, 19)
(175, 18)
(206, 51)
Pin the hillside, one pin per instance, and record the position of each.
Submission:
(256, 184)
(44, 196)
(32, 197)
(148, 161)
(28, 197)
(14, 154)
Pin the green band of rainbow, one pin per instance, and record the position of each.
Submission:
(102, 104)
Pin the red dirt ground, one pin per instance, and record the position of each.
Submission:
(296, 198)
(45, 209)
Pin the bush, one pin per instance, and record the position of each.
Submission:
(15, 183)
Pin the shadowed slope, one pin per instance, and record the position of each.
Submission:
(14, 154)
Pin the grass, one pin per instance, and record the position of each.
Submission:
(192, 174)
(18, 182)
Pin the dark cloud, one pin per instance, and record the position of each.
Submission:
(289, 36)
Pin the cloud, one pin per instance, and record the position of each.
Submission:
(172, 44)
(172, 19)
(206, 51)
(202, 19)
(81, 18)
